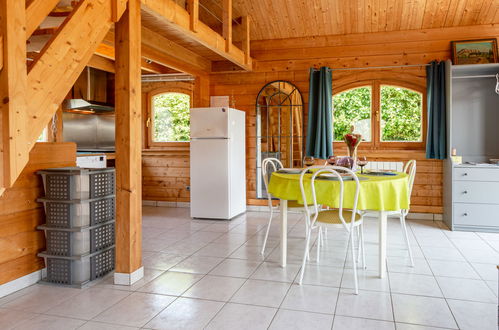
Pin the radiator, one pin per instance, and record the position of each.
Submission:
(394, 166)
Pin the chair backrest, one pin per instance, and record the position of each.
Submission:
(410, 169)
(272, 164)
(333, 170)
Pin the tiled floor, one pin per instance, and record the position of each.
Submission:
(210, 274)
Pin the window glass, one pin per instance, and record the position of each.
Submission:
(170, 115)
(401, 114)
(352, 107)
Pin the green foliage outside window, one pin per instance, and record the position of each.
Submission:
(400, 114)
(352, 107)
(171, 117)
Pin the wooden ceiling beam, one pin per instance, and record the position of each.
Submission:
(36, 12)
(193, 9)
(173, 15)
(227, 23)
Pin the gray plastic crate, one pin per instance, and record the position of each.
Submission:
(77, 271)
(78, 213)
(70, 242)
(70, 183)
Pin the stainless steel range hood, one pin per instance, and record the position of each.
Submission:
(90, 92)
(81, 104)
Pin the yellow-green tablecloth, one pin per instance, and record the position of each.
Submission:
(377, 193)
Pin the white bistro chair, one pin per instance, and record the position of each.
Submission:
(349, 219)
(270, 165)
(410, 169)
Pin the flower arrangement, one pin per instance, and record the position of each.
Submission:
(352, 141)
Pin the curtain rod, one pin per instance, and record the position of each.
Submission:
(382, 67)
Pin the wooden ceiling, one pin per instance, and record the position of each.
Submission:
(276, 19)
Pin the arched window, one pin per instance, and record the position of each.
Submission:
(352, 108)
(386, 114)
(170, 118)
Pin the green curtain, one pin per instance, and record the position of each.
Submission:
(320, 116)
(436, 141)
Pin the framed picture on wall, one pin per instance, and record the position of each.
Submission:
(479, 51)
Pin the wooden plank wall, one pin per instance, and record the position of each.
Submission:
(290, 59)
(20, 213)
(165, 170)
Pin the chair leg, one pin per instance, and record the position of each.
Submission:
(359, 247)
(404, 229)
(319, 238)
(362, 246)
(354, 263)
(267, 232)
(305, 255)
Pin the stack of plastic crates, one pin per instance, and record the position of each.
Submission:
(80, 219)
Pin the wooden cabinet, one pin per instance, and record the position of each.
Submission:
(471, 192)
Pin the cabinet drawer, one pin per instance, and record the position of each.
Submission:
(476, 214)
(476, 192)
(476, 174)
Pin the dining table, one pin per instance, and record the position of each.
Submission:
(379, 193)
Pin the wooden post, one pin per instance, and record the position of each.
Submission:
(14, 150)
(246, 22)
(193, 9)
(227, 24)
(128, 147)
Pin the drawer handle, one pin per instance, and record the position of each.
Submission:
(465, 192)
(465, 174)
(465, 214)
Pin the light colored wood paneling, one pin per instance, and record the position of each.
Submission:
(287, 19)
(20, 214)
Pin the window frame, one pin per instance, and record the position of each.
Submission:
(376, 143)
(149, 121)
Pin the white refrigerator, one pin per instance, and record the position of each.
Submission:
(217, 163)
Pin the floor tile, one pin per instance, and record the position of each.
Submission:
(354, 323)
(422, 285)
(287, 320)
(274, 272)
(162, 261)
(93, 325)
(407, 326)
(453, 269)
(367, 304)
(367, 280)
(216, 288)
(310, 298)
(474, 315)
(487, 272)
(466, 289)
(135, 310)
(186, 313)
(89, 303)
(149, 275)
(9, 318)
(217, 250)
(40, 298)
(402, 265)
(49, 322)
(197, 265)
(171, 283)
(242, 317)
(236, 268)
(488, 255)
(322, 275)
(441, 253)
(261, 293)
(423, 311)
(251, 252)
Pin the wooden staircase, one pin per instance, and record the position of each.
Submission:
(30, 95)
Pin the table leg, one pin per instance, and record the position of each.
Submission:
(283, 214)
(382, 218)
